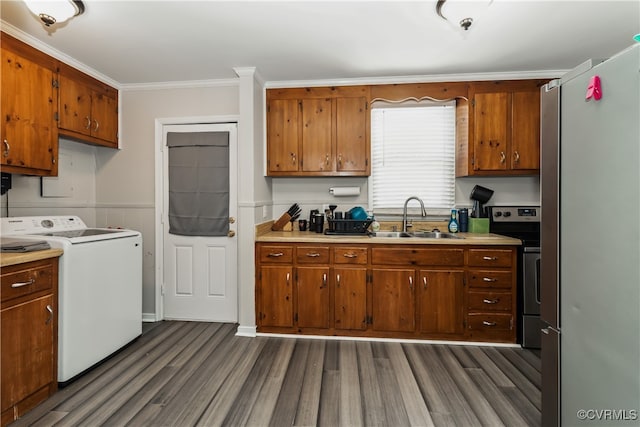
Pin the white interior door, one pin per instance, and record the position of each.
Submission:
(198, 220)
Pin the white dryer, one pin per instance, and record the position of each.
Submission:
(100, 287)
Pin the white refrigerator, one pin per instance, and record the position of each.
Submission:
(590, 244)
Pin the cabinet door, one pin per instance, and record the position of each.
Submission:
(104, 117)
(29, 139)
(350, 298)
(491, 130)
(28, 352)
(525, 134)
(283, 133)
(393, 295)
(75, 106)
(351, 135)
(276, 296)
(313, 297)
(316, 135)
(441, 303)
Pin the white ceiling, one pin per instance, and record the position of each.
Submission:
(134, 42)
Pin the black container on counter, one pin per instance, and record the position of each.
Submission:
(463, 219)
(319, 223)
(312, 219)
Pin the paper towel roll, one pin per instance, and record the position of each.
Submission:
(344, 191)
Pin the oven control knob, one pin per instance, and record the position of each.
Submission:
(507, 214)
(497, 214)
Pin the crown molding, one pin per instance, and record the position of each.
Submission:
(434, 78)
(187, 84)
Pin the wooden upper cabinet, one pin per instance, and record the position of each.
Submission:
(352, 128)
(321, 131)
(503, 129)
(316, 141)
(28, 106)
(88, 109)
(525, 130)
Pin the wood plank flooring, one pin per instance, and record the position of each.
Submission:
(201, 374)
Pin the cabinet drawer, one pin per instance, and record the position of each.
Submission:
(490, 257)
(491, 322)
(489, 301)
(26, 281)
(277, 254)
(406, 256)
(312, 254)
(350, 255)
(490, 279)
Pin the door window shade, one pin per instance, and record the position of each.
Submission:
(198, 183)
(413, 154)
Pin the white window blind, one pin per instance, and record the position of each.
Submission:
(413, 154)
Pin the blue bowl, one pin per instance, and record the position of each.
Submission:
(358, 213)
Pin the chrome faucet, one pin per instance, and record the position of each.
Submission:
(404, 212)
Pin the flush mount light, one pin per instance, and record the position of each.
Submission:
(55, 11)
(461, 12)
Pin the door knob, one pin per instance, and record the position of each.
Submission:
(231, 233)
(232, 220)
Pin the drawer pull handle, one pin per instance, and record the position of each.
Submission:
(88, 125)
(350, 255)
(490, 258)
(50, 310)
(313, 254)
(275, 254)
(485, 323)
(21, 284)
(489, 279)
(491, 301)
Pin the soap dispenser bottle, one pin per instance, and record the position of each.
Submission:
(453, 222)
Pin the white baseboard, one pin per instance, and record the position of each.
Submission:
(246, 331)
(149, 317)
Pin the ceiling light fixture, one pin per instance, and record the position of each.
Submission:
(55, 11)
(461, 11)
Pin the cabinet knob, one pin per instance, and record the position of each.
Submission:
(424, 282)
(411, 282)
(97, 126)
(88, 125)
(503, 157)
(516, 157)
(7, 148)
(337, 280)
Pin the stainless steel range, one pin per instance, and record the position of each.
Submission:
(523, 222)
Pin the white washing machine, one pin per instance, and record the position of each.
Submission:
(100, 287)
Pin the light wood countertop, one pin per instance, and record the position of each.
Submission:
(7, 259)
(311, 237)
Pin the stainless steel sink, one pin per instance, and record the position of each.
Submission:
(418, 234)
(435, 235)
(393, 234)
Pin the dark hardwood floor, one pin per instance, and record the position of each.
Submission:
(201, 374)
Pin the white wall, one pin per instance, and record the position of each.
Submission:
(312, 193)
(125, 179)
(76, 179)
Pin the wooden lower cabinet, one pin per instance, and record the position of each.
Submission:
(312, 302)
(350, 298)
(393, 299)
(276, 296)
(28, 321)
(377, 290)
(441, 301)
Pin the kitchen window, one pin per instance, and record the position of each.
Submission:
(413, 154)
